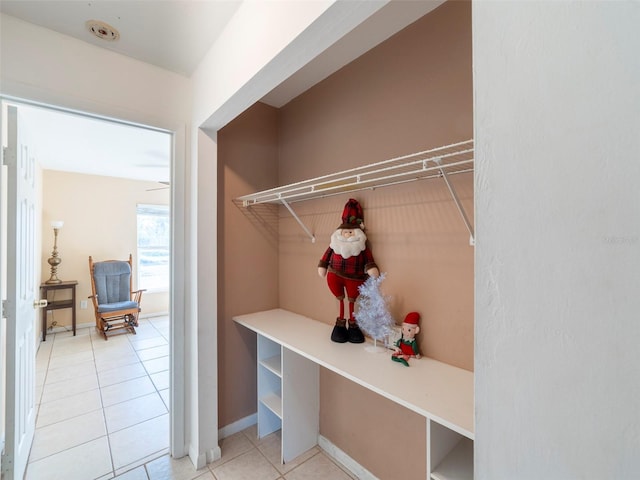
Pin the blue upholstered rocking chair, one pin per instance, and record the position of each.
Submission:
(115, 303)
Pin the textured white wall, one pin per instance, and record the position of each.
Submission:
(42, 65)
(557, 119)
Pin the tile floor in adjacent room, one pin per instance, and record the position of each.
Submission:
(103, 412)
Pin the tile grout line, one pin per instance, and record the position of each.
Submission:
(104, 416)
(47, 364)
(92, 339)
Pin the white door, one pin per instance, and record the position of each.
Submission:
(21, 297)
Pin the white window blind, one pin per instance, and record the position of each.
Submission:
(153, 247)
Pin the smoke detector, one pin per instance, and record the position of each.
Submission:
(102, 30)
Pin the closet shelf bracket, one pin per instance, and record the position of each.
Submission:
(304, 227)
(454, 195)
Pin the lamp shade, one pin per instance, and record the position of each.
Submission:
(57, 223)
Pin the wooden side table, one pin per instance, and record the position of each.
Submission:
(45, 288)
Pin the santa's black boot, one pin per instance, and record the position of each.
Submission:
(339, 333)
(354, 335)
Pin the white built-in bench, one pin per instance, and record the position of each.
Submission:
(290, 350)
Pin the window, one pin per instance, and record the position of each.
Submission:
(153, 247)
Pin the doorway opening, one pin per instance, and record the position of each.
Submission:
(88, 164)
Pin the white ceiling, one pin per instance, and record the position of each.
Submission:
(97, 146)
(174, 35)
(171, 34)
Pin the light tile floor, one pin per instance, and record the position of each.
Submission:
(104, 413)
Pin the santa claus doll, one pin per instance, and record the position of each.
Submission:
(347, 263)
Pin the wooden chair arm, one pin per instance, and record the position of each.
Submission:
(137, 294)
(94, 300)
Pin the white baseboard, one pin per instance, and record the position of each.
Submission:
(153, 315)
(214, 454)
(68, 328)
(237, 426)
(327, 446)
(345, 460)
(198, 460)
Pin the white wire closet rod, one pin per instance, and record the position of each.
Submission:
(452, 159)
(434, 163)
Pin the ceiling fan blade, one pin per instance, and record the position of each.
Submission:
(165, 185)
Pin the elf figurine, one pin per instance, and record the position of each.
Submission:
(347, 263)
(407, 345)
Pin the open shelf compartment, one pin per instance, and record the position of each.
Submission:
(450, 455)
(269, 386)
(273, 364)
(274, 403)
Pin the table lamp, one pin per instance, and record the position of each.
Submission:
(55, 260)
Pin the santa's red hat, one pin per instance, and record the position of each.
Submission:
(412, 318)
(352, 215)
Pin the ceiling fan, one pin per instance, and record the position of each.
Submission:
(165, 185)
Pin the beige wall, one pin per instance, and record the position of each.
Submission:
(411, 93)
(99, 215)
(248, 253)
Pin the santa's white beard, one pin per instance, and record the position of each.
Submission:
(348, 247)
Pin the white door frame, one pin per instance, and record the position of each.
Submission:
(178, 277)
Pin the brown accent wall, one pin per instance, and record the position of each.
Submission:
(247, 253)
(411, 93)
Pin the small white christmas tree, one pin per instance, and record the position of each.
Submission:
(373, 315)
